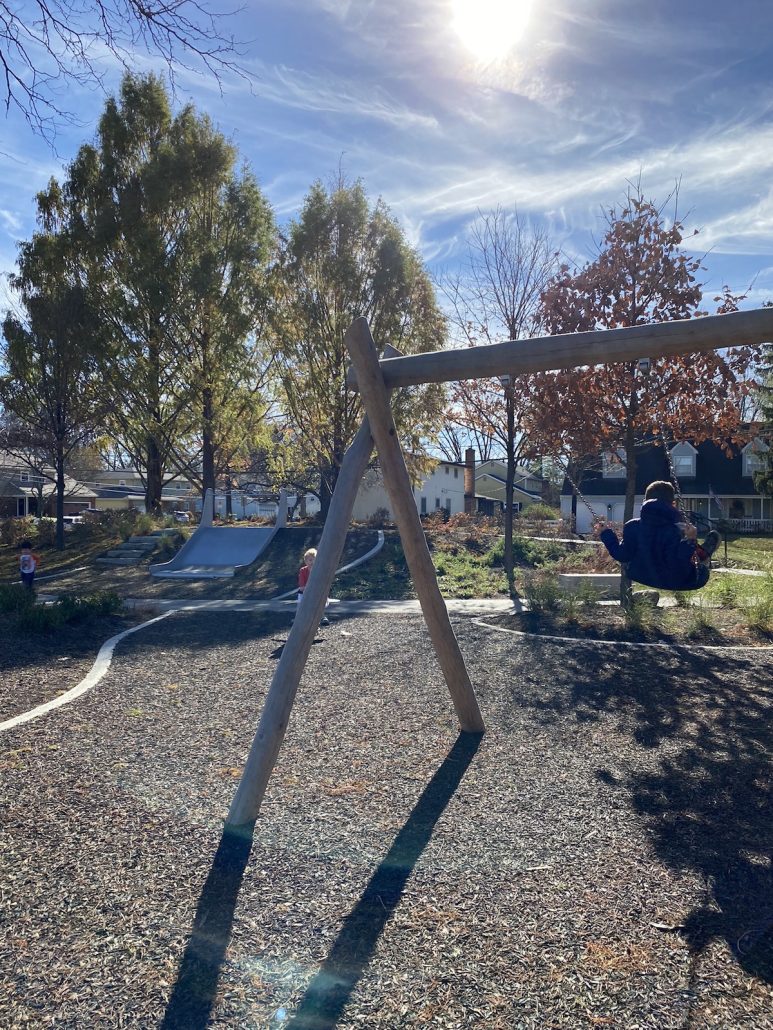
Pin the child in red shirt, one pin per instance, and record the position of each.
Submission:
(28, 563)
(303, 577)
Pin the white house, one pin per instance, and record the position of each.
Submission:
(490, 483)
(442, 488)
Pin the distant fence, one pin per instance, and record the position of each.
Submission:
(748, 525)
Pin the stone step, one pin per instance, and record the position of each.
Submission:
(126, 552)
(143, 541)
(116, 561)
(163, 532)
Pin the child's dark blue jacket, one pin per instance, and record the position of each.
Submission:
(655, 550)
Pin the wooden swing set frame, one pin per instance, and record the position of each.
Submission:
(375, 379)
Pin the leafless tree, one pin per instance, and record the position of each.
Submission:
(497, 297)
(47, 46)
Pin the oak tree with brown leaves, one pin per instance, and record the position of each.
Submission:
(640, 275)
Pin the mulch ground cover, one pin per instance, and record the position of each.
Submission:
(36, 668)
(600, 857)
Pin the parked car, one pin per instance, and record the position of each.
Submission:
(181, 516)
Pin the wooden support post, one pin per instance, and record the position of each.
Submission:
(376, 401)
(284, 685)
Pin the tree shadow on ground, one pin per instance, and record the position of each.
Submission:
(324, 999)
(707, 801)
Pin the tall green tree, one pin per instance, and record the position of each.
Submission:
(228, 239)
(343, 258)
(51, 350)
(173, 247)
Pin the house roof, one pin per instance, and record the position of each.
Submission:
(713, 470)
(503, 482)
(12, 486)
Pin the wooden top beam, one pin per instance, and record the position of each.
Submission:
(550, 353)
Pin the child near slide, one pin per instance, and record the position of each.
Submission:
(303, 578)
(28, 564)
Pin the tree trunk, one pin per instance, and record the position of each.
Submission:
(229, 505)
(59, 496)
(207, 444)
(154, 477)
(509, 481)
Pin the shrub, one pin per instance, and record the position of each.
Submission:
(379, 519)
(40, 619)
(587, 596)
(13, 530)
(541, 512)
(541, 591)
(725, 592)
(536, 553)
(699, 622)
(759, 613)
(15, 598)
(46, 533)
(68, 610)
(639, 615)
(144, 524)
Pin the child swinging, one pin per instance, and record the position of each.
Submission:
(660, 549)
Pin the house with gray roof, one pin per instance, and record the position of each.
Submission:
(715, 483)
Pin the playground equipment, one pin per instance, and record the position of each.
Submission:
(217, 551)
(374, 379)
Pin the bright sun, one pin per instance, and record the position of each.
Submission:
(490, 27)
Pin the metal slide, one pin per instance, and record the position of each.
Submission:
(217, 551)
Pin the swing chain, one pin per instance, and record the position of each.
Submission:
(644, 366)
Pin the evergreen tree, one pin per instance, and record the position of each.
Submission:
(51, 349)
(343, 258)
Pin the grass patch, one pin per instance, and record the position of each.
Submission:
(749, 552)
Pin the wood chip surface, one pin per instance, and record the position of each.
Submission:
(601, 857)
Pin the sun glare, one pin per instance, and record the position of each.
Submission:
(490, 27)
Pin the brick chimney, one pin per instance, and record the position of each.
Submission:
(469, 481)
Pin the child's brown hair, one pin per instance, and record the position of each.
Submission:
(660, 490)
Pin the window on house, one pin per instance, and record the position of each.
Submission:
(754, 459)
(684, 465)
(456, 473)
(24, 477)
(448, 505)
(437, 502)
(122, 482)
(683, 460)
(446, 469)
(423, 505)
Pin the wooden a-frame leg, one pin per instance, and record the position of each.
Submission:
(397, 482)
(284, 685)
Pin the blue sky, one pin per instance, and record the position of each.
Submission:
(594, 93)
